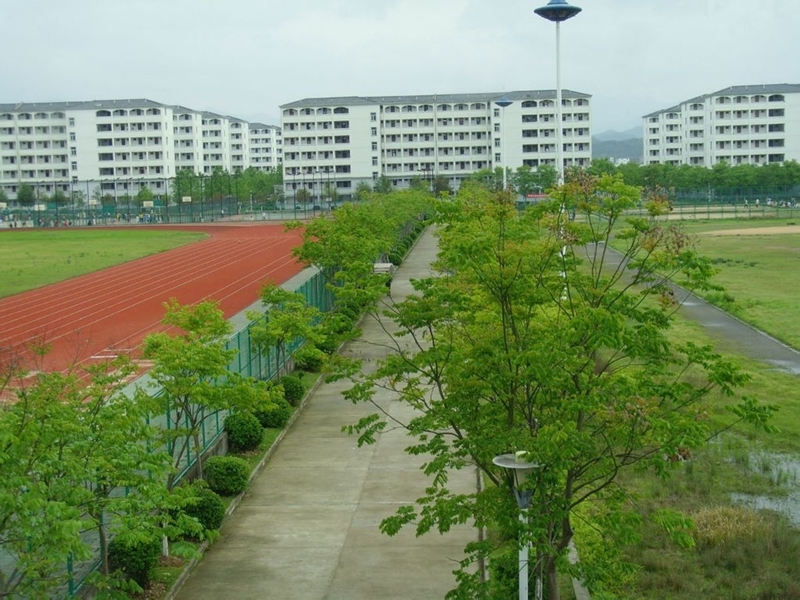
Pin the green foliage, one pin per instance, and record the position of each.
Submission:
(310, 359)
(252, 183)
(293, 389)
(206, 506)
(721, 178)
(383, 185)
(227, 475)
(274, 414)
(244, 431)
(69, 441)
(191, 369)
(26, 194)
(288, 317)
(535, 340)
(135, 557)
(504, 575)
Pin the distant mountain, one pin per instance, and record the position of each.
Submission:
(619, 136)
(618, 144)
(630, 149)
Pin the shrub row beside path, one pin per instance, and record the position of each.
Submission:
(308, 526)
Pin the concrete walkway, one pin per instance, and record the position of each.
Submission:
(308, 527)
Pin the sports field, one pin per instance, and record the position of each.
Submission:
(31, 258)
(109, 311)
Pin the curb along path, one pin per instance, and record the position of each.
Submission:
(308, 526)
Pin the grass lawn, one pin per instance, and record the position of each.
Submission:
(739, 553)
(33, 258)
(759, 274)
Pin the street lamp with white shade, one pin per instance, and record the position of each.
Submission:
(558, 11)
(520, 471)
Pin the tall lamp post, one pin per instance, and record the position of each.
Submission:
(503, 103)
(558, 11)
(520, 470)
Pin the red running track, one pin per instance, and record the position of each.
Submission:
(109, 312)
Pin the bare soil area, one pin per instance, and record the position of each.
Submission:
(756, 231)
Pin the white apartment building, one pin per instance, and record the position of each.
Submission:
(745, 124)
(265, 146)
(347, 140)
(119, 146)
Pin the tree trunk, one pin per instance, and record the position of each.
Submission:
(551, 577)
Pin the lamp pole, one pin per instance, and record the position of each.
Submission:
(520, 470)
(503, 103)
(558, 11)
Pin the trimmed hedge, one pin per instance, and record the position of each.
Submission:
(293, 389)
(226, 475)
(207, 508)
(310, 359)
(134, 558)
(275, 414)
(244, 431)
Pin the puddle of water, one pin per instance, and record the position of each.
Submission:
(783, 471)
(789, 506)
(786, 365)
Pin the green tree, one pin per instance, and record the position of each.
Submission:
(69, 445)
(190, 370)
(525, 181)
(288, 318)
(441, 185)
(59, 197)
(3, 195)
(26, 195)
(531, 339)
(77, 197)
(185, 185)
(363, 190)
(330, 192)
(302, 196)
(602, 166)
(383, 185)
(144, 195)
(420, 184)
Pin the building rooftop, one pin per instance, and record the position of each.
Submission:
(82, 105)
(431, 98)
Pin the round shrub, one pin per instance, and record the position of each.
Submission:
(207, 507)
(293, 389)
(226, 475)
(274, 414)
(244, 431)
(134, 558)
(329, 344)
(310, 359)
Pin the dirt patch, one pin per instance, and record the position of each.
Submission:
(756, 231)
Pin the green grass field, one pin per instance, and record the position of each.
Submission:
(33, 258)
(759, 274)
(739, 553)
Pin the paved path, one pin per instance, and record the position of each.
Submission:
(308, 527)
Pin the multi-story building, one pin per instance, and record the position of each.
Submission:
(745, 124)
(347, 140)
(265, 146)
(116, 147)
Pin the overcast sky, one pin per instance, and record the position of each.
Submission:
(247, 57)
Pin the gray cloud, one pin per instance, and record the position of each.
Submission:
(246, 57)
